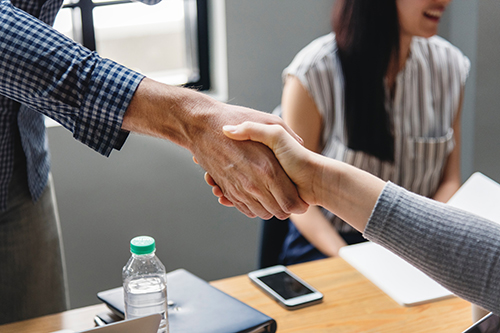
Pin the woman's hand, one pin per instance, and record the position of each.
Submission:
(297, 161)
(348, 192)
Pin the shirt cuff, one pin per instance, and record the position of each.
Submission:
(377, 225)
(109, 93)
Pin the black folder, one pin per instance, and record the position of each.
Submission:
(196, 306)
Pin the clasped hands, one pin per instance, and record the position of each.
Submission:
(298, 163)
(245, 174)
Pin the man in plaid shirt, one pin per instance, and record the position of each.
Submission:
(44, 73)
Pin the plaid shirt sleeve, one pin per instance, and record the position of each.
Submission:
(53, 75)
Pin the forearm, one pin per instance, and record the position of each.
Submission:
(63, 80)
(446, 190)
(348, 192)
(248, 173)
(168, 112)
(457, 249)
(438, 239)
(319, 231)
(451, 180)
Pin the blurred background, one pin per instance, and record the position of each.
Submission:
(152, 187)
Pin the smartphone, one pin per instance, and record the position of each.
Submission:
(289, 290)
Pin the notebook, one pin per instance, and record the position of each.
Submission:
(400, 280)
(479, 195)
(148, 324)
(196, 306)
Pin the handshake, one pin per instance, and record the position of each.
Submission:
(256, 163)
(347, 191)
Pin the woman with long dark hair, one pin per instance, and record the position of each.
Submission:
(384, 94)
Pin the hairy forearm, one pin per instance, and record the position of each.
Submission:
(162, 111)
(248, 173)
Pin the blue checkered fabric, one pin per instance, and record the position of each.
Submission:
(42, 72)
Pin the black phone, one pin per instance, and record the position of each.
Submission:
(488, 324)
(286, 288)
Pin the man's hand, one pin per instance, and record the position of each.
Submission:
(346, 191)
(247, 173)
(300, 164)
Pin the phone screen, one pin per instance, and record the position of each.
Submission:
(285, 285)
(489, 324)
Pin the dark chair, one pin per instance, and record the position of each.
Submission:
(273, 233)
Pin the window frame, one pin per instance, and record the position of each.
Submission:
(201, 81)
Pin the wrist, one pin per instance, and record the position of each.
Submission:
(168, 112)
(189, 113)
(330, 182)
(323, 178)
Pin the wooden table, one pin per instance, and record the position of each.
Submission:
(351, 304)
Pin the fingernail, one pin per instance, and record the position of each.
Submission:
(229, 128)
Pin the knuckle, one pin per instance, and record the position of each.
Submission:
(276, 119)
(252, 188)
(243, 209)
(251, 215)
(282, 216)
(266, 216)
(292, 205)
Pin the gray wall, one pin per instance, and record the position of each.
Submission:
(263, 36)
(460, 26)
(474, 27)
(487, 112)
(152, 187)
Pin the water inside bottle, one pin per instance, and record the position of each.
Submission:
(144, 296)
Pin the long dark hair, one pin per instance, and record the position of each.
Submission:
(367, 34)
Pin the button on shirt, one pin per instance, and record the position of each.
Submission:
(42, 72)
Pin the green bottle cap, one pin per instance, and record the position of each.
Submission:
(142, 245)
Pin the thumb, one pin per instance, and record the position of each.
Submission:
(293, 157)
(265, 134)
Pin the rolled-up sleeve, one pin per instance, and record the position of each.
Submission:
(53, 75)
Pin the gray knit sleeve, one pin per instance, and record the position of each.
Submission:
(459, 250)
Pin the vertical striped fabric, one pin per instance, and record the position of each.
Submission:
(422, 111)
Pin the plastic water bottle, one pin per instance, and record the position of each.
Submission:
(145, 282)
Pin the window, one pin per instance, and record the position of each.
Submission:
(167, 42)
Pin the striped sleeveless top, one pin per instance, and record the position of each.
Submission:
(422, 111)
